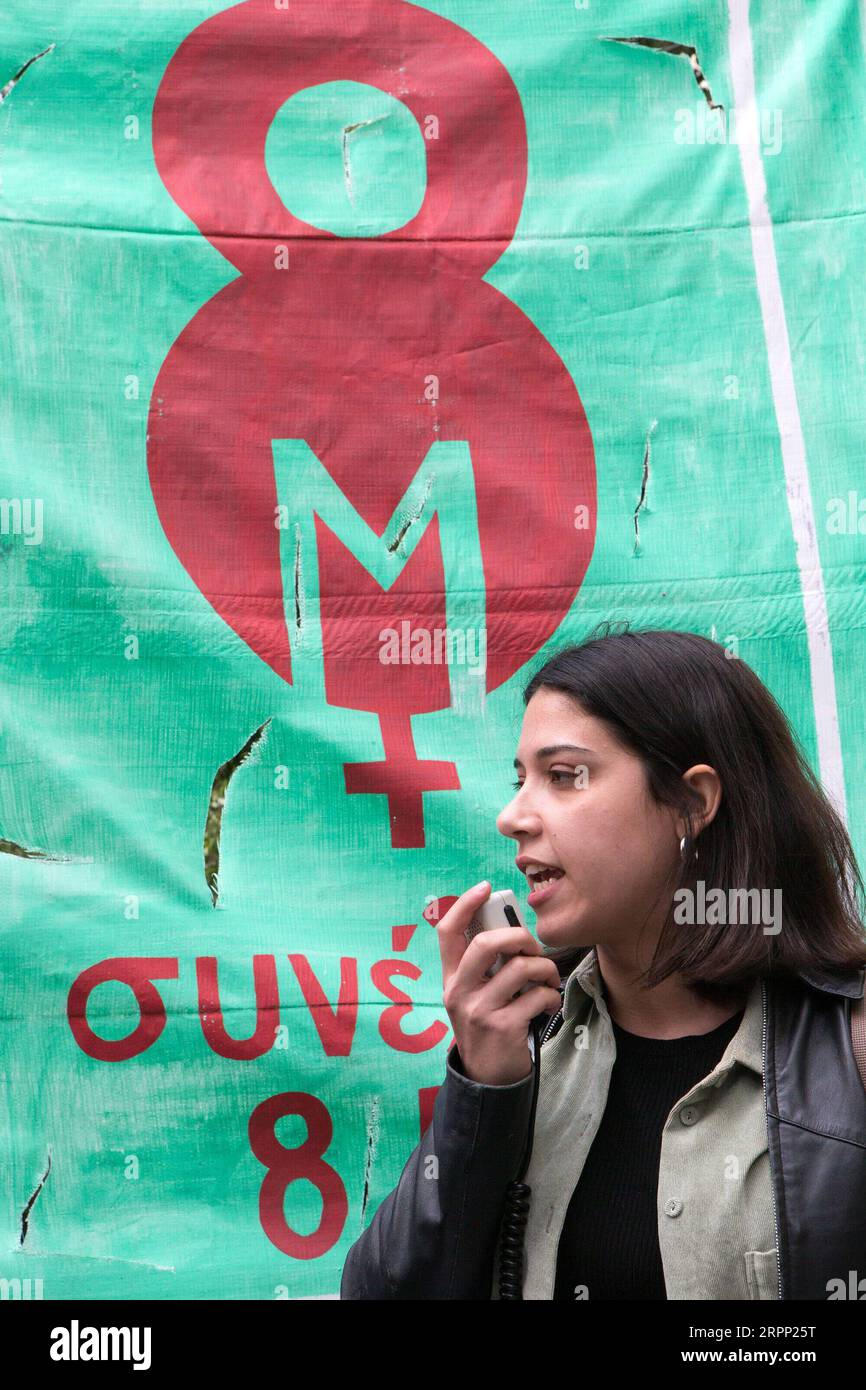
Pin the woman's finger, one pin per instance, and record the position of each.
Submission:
(451, 928)
(520, 970)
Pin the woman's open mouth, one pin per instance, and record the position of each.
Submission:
(544, 889)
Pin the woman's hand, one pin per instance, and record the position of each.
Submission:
(491, 1028)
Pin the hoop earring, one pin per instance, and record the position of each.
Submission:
(683, 843)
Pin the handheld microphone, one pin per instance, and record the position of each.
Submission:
(501, 909)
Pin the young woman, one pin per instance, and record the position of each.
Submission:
(699, 1128)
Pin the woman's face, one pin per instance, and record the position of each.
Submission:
(616, 847)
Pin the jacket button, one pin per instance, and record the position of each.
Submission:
(689, 1115)
(673, 1207)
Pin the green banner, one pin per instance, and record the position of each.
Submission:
(354, 358)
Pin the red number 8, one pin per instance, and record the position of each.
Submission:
(286, 1166)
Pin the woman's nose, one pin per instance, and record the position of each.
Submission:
(517, 817)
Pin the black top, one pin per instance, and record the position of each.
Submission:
(609, 1240)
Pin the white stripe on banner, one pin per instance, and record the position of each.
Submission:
(787, 411)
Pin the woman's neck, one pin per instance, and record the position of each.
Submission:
(669, 1010)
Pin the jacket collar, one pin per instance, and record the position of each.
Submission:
(851, 983)
(585, 975)
(746, 1046)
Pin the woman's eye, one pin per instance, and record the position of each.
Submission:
(553, 773)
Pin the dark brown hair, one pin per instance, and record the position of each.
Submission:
(677, 699)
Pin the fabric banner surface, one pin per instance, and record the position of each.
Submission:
(356, 356)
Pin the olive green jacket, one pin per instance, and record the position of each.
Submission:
(714, 1201)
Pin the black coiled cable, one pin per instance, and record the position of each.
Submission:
(517, 1196)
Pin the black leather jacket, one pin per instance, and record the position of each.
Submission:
(435, 1235)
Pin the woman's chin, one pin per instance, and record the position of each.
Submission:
(560, 929)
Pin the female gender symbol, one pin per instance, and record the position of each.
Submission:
(335, 349)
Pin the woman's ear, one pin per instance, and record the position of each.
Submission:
(706, 787)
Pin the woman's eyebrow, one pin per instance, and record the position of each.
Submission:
(555, 748)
